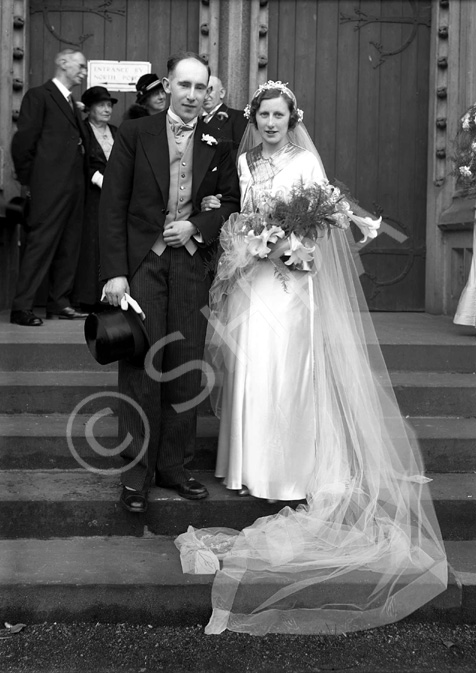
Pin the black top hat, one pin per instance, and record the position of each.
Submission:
(96, 94)
(114, 334)
(146, 84)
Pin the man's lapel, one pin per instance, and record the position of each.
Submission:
(156, 147)
(224, 110)
(219, 120)
(203, 154)
(61, 101)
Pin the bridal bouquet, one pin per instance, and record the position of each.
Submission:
(285, 229)
(287, 225)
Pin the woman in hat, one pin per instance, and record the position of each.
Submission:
(98, 104)
(151, 97)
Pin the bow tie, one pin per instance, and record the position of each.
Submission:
(178, 128)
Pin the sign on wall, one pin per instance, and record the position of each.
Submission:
(116, 75)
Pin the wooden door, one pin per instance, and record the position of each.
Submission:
(124, 30)
(360, 72)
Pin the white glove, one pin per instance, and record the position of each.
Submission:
(128, 301)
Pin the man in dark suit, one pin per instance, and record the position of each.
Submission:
(227, 124)
(49, 158)
(156, 246)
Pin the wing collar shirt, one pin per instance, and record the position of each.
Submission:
(65, 91)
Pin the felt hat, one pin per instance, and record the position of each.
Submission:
(114, 334)
(146, 84)
(96, 94)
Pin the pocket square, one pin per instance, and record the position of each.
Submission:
(214, 169)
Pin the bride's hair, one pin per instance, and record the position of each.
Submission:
(267, 94)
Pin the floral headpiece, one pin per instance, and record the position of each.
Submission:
(270, 84)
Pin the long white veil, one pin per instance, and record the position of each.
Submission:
(366, 548)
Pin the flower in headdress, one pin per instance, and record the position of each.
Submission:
(80, 105)
(281, 86)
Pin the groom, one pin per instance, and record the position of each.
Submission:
(156, 245)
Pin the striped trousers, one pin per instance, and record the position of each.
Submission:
(171, 290)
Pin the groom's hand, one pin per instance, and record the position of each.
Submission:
(176, 234)
(115, 289)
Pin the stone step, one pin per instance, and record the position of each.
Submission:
(418, 393)
(402, 357)
(40, 392)
(409, 342)
(122, 579)
(37, 441)
(60, 503)
(435, 393)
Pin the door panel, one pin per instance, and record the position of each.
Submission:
(360, 72)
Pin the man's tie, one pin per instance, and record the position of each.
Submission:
(70, 101)
(178, 128)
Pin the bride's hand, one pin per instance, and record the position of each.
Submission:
(210, 202)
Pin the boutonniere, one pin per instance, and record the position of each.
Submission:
(210, 140)
(80, 105)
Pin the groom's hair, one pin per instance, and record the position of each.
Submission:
(175, 59)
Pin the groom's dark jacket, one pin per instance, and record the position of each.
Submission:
(136, 190)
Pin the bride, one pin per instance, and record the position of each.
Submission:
(308, 412)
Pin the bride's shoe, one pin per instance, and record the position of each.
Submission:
(271, 501)
(243, 491)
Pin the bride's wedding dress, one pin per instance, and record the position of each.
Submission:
(308, 411)
(267, 438)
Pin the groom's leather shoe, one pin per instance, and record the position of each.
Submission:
(190, 489)
(133, 501)
(67, 313)
(25, 318)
